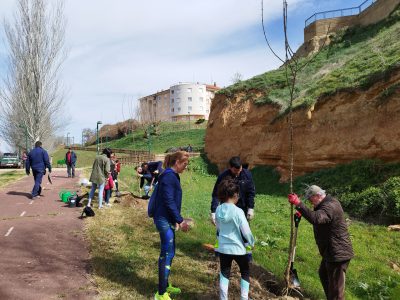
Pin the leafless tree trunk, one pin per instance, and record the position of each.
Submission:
(32, 98)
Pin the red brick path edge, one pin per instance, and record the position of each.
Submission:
(43, 254)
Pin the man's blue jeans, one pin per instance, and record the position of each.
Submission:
(167, 253)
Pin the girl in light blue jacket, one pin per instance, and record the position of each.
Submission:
(233, 229)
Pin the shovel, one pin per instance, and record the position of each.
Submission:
(294, 279)
(49, 179)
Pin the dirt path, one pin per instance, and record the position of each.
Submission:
(43, 253)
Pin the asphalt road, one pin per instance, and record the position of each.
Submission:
(42, 247)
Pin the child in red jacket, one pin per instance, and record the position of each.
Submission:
(108, 189)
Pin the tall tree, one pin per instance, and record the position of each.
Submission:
(31, 97)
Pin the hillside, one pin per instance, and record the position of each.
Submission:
(346, 107)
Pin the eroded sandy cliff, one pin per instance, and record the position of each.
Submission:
(341, 128)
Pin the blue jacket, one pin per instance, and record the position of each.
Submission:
(247, 190)
(73, 158)
(169, 197)
(38, 160)
(232, 227)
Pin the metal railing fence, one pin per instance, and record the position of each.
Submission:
(337, 13)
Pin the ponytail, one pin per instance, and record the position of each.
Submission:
(172, 158)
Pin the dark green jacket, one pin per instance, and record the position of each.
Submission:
(100, 169)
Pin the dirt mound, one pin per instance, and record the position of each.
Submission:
(128, 200)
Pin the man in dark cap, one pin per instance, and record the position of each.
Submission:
(331, 236)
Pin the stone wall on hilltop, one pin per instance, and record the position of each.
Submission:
(341, 128)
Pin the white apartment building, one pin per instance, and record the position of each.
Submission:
(183, 101)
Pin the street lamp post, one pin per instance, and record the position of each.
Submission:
(189, 119)
(97, 136)
(67, 139)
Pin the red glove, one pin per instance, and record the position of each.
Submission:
(294, 199)
(298, 214)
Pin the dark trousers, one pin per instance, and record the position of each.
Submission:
(37, 176)
(225, 261)
(107, 196)
(333, 277)
(70, 168)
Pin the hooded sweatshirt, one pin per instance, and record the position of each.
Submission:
(233, 227)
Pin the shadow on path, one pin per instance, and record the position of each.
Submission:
(14, 193)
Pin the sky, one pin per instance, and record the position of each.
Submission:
(121, 50)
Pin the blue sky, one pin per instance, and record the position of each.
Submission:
(123, 49)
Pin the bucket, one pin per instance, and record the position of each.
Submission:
(64, 195)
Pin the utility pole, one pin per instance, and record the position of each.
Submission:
(189, 119)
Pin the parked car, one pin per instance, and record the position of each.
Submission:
(10, 160)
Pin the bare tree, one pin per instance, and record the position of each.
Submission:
(31, 97)
(236, 78)
(293, 65)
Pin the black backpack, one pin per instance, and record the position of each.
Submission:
(88, 212)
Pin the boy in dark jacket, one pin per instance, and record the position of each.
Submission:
(38, 161)
(148, 173)
(244, 180)
(331, 236)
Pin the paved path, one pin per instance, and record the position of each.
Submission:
(43, 254)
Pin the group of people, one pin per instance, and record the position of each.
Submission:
(232, 207)
(104, 177)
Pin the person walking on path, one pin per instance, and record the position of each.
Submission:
(24, 158)
(100, 171)
(331, 236)
(168, 219)
(233, 229)
(70, 161)
(244, 180)
(38, 161)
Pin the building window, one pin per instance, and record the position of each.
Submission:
(189, 108)
(190, 99)
(172, 110)
(172, 100)
(172, 92)
(179, 109)
(200, 90)
(201, 108)
(201, 99)
(189, 90)
(207, 110)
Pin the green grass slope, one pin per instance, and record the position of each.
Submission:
(165, 135)
(356, 58)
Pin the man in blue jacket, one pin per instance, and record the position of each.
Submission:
(245, 182)
(70, 161)
(38, 161)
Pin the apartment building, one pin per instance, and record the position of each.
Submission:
(183, 101)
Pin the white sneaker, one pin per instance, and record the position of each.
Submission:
(108, 204)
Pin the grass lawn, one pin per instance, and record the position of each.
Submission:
(124, 245)
(11, 176)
